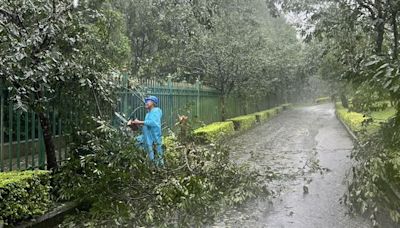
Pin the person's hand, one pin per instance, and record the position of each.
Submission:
(137, 122)
(130, 122)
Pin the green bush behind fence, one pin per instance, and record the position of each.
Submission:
(21, 139)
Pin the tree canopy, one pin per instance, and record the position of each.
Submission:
(52, 50)
(360, 39)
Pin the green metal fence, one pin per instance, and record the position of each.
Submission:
(197, 101)
(21, 139)
(175, 98)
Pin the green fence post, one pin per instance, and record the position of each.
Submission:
(125, 94)
(198, 98)
(26, 139)
(18, 139)
(171, 105)
(10, 134)
(33, 136)
(41, 147)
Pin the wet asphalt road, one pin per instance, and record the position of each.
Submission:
(308, 150)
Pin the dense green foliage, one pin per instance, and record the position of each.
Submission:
(122, 187)
(374, 189)
(62, 56)
(51, 50)
(232, 46)
(23, 195)
(376, 183)
(357, 42)
(57, 49)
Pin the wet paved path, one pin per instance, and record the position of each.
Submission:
(308, 150)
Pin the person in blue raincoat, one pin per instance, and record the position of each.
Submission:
(151, 130)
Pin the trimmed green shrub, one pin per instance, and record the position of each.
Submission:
(215, 131)
(242, 123)
(267, 114)
(322, 100)
(272, 112)
(286, 106)
(279, 109)
(23, 195)
(262, 116)
(358, 121)
(352, 119)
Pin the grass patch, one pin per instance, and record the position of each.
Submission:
(369, 123)
(383, 116)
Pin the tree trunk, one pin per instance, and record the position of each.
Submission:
(223, 107)
(344, 100)
(395, 35)
(48, 142)
(380, 28)
(379, 39)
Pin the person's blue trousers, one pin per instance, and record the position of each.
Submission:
(144, 143)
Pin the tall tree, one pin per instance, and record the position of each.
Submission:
(49, 57)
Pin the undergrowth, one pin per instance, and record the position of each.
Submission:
(375, 186)
(121, 188)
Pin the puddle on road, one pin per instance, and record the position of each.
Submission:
(306, 150)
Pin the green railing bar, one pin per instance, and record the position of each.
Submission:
(10, 133)
(26, 139)
(19, 139)
(171, 100)
(33, 147)
(41, 146)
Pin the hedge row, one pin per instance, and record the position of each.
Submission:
(359, 122)
(23, 195)
(219, 130)
(215, 131)
(286, 106)
(322, 100)
(243, 123)
(353, 120)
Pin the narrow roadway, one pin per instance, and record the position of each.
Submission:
(306, 150)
